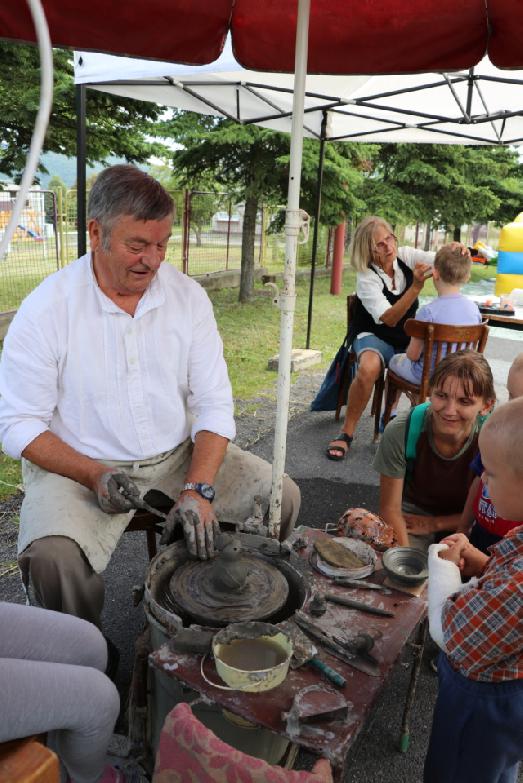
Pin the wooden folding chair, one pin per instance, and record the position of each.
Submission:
(438, 341)
(379, 386)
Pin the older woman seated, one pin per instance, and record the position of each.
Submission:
(424, 493)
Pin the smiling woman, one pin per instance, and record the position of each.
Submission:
(424, 493)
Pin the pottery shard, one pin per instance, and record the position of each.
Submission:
(363, 524)
(336, 554)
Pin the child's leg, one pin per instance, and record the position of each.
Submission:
(477, 730)
(400, 365)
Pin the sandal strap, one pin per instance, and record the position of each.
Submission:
(344, 437)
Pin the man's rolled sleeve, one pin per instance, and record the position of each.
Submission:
(210, 393)
(19, 435)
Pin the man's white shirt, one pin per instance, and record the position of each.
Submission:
(110, 385)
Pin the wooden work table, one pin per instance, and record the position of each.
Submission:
(361, 691)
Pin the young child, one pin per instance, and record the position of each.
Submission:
(477, 729)
(451, 271)
(487, 526)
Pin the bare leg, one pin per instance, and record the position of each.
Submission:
(360, 390)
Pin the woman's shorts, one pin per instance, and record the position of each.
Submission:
(372, 343)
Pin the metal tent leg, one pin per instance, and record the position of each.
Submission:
(418, 647)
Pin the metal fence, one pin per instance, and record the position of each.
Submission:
(206, 238)
(33, 253)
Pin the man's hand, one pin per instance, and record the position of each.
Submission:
(116, 492)
(199, 523)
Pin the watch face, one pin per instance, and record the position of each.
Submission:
(206, 491)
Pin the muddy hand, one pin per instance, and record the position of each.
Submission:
(199, 525)
(116, 492)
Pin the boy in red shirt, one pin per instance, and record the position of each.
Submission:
(477, 730)
(488, 527)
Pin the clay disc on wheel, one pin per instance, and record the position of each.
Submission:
(265, 592)
(336, 554)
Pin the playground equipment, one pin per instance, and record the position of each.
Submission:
(483, 254)
(30, 233)
(510, 257)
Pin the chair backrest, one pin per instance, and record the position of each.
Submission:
(441, 339)
(351, 308)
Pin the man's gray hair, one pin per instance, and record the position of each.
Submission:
(126, 190)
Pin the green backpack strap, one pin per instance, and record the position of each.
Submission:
(414, 428)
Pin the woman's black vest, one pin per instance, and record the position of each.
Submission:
(393, 335)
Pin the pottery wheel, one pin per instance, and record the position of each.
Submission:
(194, 590)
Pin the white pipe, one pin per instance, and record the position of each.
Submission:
(288, 294)
(46, 101)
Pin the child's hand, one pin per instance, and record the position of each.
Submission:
(455, 547)
(470, 561)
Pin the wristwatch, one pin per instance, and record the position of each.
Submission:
(205, 490)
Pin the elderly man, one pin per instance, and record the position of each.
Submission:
(113, 382)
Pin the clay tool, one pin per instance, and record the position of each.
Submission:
(304, 652)
(359, 605)
(344, 581)
(142, 504)
(355, 653)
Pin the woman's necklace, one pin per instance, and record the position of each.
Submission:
(391, 275)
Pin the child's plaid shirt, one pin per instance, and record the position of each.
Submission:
(483, 625)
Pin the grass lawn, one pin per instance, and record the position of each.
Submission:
(251, 332)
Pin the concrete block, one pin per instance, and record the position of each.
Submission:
(301, 359)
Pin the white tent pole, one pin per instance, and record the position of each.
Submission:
(287, 297)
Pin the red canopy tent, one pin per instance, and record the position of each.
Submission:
(346, 36)
(332, 37)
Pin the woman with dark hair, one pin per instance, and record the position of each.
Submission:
(424, 485)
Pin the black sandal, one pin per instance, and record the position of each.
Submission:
(340, 452)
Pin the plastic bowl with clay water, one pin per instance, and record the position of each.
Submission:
(254, 660)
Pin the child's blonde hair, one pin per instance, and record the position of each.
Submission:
(362, 248)
(506, 426)
(453, 267)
